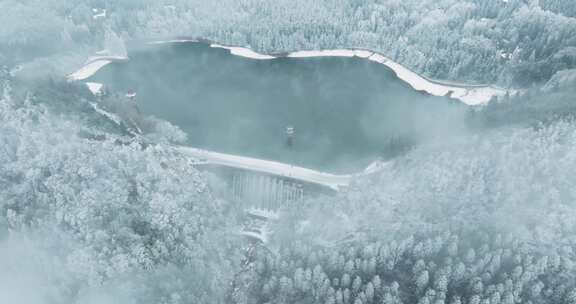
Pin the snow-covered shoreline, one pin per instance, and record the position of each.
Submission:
(173, 41)
(93, 65)
(468, 94)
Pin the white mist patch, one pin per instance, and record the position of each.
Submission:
(26, 275)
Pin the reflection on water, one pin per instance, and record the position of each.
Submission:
(344, 112)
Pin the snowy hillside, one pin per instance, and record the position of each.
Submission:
(103, 203)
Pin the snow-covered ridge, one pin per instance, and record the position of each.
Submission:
(469, 94)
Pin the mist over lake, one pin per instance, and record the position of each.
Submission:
(346, 112)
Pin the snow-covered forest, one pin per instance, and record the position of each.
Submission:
(92, 211)
(512, 42)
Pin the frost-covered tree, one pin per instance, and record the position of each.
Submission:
(100, 207)
(506, 42)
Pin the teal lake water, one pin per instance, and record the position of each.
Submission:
(346, 112)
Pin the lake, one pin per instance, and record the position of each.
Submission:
(345, 112)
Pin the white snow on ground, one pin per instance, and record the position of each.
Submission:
(93, 64)
(363, 53)
(113, 117)
(173, 41)
(98, 13)
(88, 70)
(477, 96)
(262, 236)
(374, 167)
(471, 95)
(270, 167)
(106, 56)
(243, 52)
(95, 87)
(332, 53)
(322, 53)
